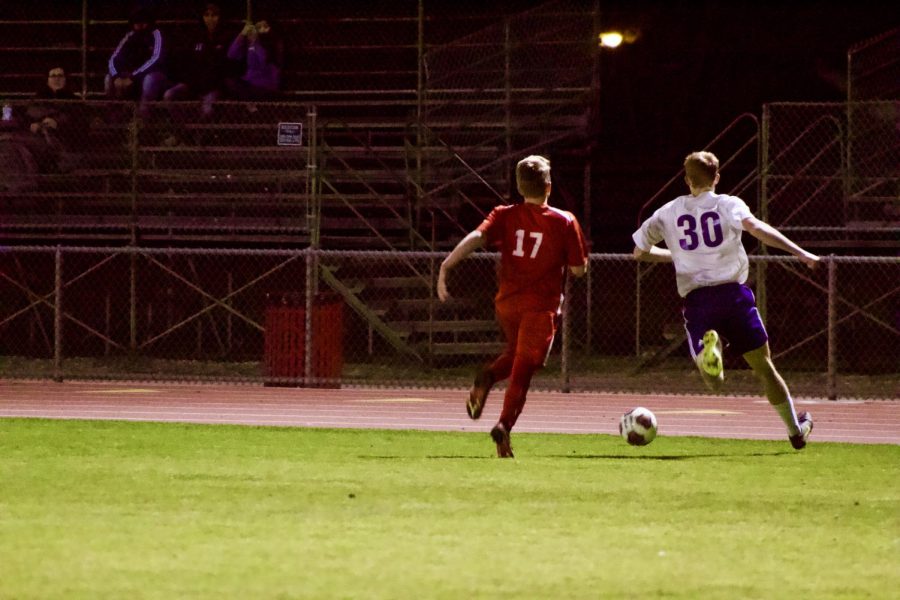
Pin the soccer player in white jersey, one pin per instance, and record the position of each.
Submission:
(702, 232)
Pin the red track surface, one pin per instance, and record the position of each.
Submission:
(707, 416)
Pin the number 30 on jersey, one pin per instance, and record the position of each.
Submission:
(710, 229)
(537, 236)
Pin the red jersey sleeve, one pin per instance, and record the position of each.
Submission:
(492, 228)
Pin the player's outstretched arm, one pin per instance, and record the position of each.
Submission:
(770, 236)
(464, 248)
(654, 254)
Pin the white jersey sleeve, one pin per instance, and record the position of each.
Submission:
(704, 235)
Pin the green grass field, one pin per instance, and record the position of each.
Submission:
(140, 510)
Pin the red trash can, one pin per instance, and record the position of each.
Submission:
(285, 339)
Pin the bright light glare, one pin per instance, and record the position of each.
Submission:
(611, 39)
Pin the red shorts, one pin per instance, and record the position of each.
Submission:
(529, 334)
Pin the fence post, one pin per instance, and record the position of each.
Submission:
(132, 304)
(762, 300)
(589, 308)
(133, 143)
(57, 316)
(84, 49)
(832, 328)
(313, 213)
(311, 275)
(419, 176)
(637, 308)
(507, 102)
(565, 384)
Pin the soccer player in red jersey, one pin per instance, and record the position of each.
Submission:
(538, 245)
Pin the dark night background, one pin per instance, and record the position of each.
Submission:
(696, 66)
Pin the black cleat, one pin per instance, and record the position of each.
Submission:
(806, 424)
(478, 395)
(501, 437)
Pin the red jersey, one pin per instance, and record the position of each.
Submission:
(537, 244)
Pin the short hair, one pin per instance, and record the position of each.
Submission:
(533, 176)
(701, 168)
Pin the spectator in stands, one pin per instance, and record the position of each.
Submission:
(55, 125)
(18, 167)
(136, 67)
(260, 50)
(202, 63)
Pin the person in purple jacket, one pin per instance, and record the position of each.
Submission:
(136, 67)
(261, 51)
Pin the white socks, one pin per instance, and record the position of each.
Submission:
(788, 415)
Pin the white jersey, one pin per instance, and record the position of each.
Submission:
(704, 235)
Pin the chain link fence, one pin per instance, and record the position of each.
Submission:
(116, 172)
(832, 168)
(517, 87)
(331, 318)
(873, 72)
(163, 173)
(873, 128)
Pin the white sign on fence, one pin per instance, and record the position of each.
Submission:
(290, 134)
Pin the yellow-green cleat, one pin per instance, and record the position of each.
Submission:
(710, 358)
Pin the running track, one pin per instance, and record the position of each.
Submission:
(727, 417)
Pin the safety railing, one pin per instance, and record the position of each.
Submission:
(312, 317)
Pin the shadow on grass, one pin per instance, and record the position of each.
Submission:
(438, 456)
(590, 456)
(664, 456)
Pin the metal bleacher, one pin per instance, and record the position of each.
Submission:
(411, 143)
(409, 139)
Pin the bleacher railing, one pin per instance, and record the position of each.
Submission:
(111, 172)
(873, 71)
(310, 317)
(829, 172)
(406, 158)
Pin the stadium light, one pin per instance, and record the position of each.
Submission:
(614, 39)
(611, 39)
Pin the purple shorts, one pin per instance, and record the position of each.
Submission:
(730, 309)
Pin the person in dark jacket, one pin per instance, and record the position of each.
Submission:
(56, 124)
(47, 116)
(202, 64)
(136, 67)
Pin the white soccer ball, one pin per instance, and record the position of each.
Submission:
(638, 426)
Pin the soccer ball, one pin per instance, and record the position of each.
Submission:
(638, 426)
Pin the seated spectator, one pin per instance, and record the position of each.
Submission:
(202, 63)
(136, 65)
(261, 51)
(18, 166)
(55, 125)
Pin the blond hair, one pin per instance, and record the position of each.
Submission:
(533, 176)
(701, 168)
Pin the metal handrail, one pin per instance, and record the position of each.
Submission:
(680, 173)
